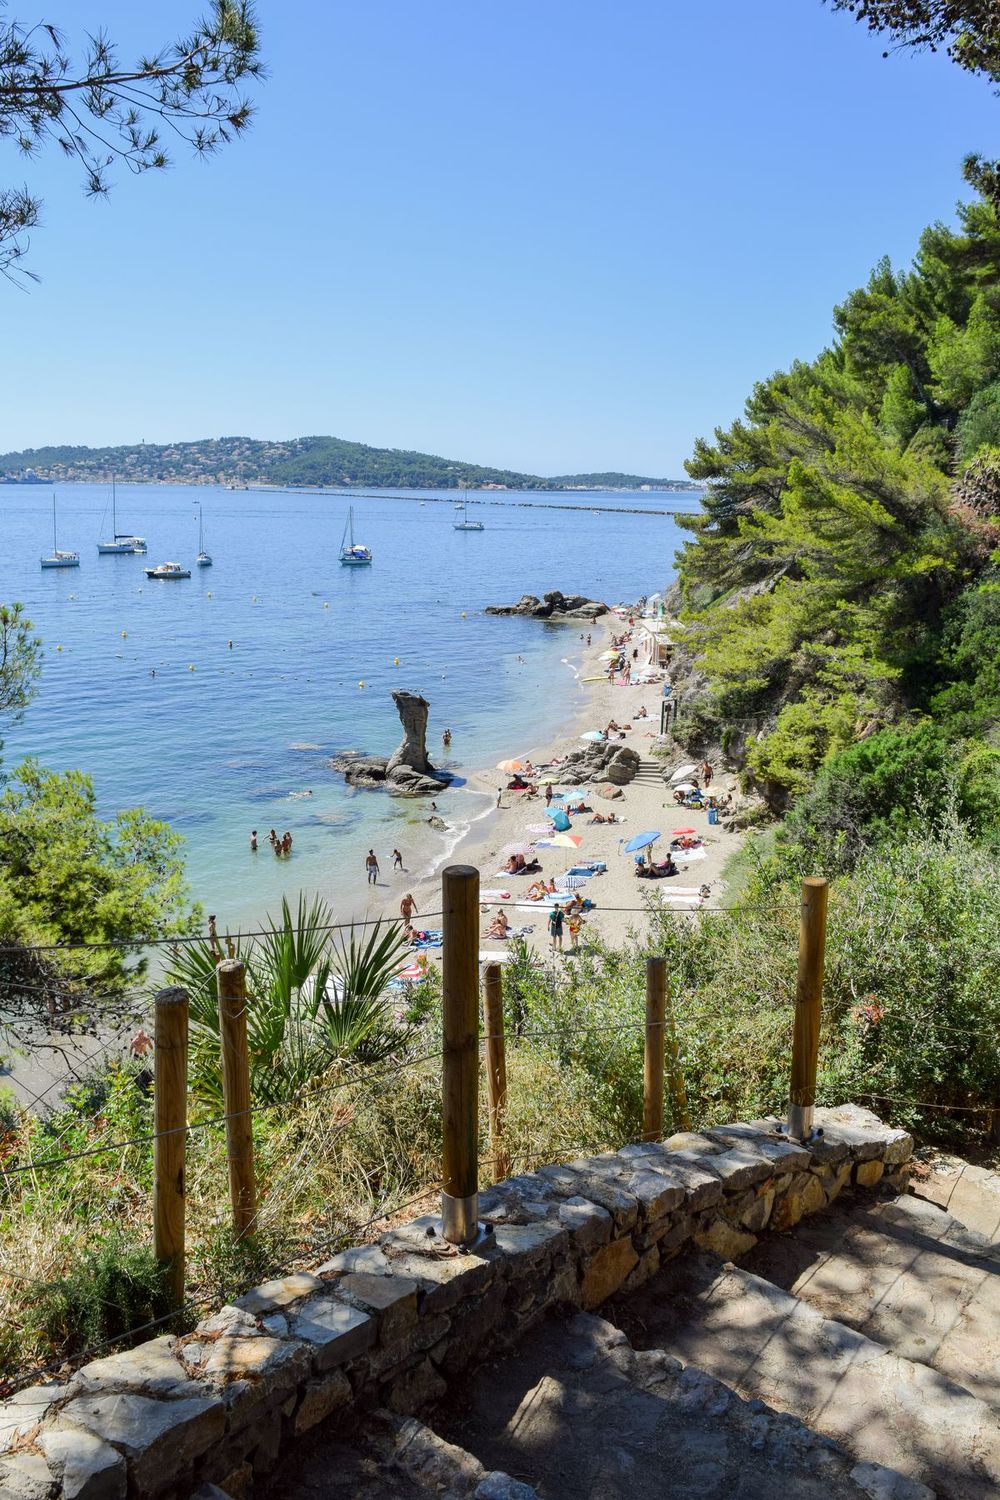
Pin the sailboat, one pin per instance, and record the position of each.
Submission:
(465, 524)
(352, 553)
(120, 544)
(57, 559)
(203, 560)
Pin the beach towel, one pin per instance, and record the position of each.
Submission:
(494, 895)
(588, 867)
(500, 957)
(538, 828)
(683, 856)
(433, 938)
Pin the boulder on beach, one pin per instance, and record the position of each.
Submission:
(606, 761)
(552, 606)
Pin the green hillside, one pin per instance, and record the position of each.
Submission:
(321, 461)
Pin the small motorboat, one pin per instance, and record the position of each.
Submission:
(168, 570)
(57, 559)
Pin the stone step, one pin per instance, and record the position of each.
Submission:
(388, 1458)
(903, 1272)
(969, 1193)
(578, 1414)
(767, 1343)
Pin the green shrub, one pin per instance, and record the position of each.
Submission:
(112, 1292)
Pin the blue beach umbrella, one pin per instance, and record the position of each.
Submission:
(640, 841)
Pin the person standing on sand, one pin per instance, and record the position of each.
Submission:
(407, 907)
(397, 860)
(556, 927)
(371, 865)
(548, 794)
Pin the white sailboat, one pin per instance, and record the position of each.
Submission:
(203, 560)
(57, 559)
(352, 553)
(120, 544)
(465, 524)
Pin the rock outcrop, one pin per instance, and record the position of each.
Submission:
(609, 761)
(553, 606)
(408, 771)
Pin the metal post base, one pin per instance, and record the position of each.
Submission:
(460, 1224)
(800, 1124)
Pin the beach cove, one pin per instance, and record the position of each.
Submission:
(311, 664)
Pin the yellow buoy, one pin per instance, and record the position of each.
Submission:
(191, 669)
(361, 683)
(464, 615)
(124, 634)
(395, 661)
(58, 648)
(209, 594)
(326, 606)
(254, 599)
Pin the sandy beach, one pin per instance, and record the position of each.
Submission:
(619, 898)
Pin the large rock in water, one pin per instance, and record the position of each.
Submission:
(412, 751)
(408, 771)
(551, 606)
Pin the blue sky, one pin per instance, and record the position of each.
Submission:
(558, 236)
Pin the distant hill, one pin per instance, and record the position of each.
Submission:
(322, 461)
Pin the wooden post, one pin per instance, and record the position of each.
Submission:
(808, 999)
(680, 1113)
(496, 1068)
(170, 1131)
(236, 1092)
(652, 1072)
(460, 1062)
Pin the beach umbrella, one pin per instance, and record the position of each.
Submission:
(680, 832)
(524, 849)
(686, 786)
(565, 841)
(609, 655)
(592, 734)
(510, 765)
(641, 841)
(560, 821)
(682, 773)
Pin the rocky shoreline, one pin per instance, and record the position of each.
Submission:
(552, 606)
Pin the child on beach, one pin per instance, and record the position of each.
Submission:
(397, 860)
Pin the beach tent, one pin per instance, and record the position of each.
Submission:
(592, 734)
(560, 821)
(682, 773)
(641, 841)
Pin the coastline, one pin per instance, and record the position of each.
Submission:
(620, 901)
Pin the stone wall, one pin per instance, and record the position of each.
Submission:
(389, 1324)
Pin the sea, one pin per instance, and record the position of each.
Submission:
(216, 702)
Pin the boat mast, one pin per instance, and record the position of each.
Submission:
(114, 512)
(201, 540)
(55, 545)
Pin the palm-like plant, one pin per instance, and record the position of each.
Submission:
(312, 1001)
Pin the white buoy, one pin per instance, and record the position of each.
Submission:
(191, 668)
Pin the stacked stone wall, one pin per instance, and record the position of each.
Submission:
(391, 1324)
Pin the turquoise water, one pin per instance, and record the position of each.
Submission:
(234, 743)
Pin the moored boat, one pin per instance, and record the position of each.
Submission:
(168, 570)
(353, 554)
(57, 559)
(120, 543)
(465, 524)
(203, 560)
